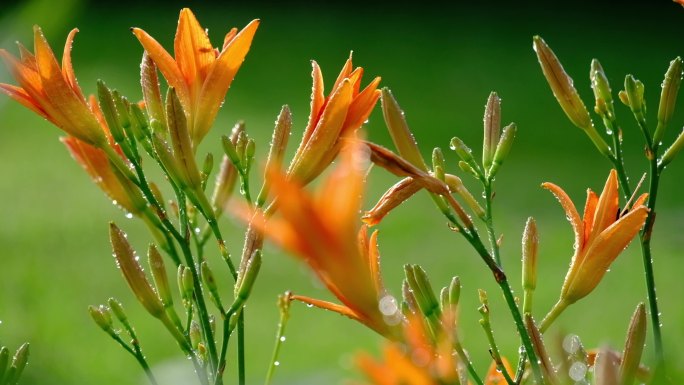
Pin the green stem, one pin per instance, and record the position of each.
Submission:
(556, 310)
(489, 222)
(469, 365)
(645, 238)
(494, 348)
(284, 316)
(522, 331)
(202, 310)
(138, 357)
(241, 347)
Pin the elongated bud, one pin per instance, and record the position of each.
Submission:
(634, 90)
(634, 346)
(208, 164)
(455, 290)
(503, 148)
(561, 85)
(396, 195)
(399, 131)
(19, 362)
(223, 188)
(444, 299)
(122, 106)
(464, 152)
(195, 335)
(133, 272)
(159, 276)
(118, 310)
(139, 123)
(230, 149)
(465, 167)
(281, 134)
(484, 302)
(249, 276)
(102, 317)
(409, 297)
(540, 350)
(183, 151)
(250, 149)
(668, 97)
(109, 111)
(4, 361)
(529, 255)
(186, 284)
(492, 129)
(149, 80)
(438, 162)
(606, 368)
(602, 91)
(419, 284)
(672, 151)
(456, 185)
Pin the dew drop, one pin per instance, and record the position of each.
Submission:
(128, 215)
(309, 305)
(282, 339)
(277, 363)
(577, 371)
(388, 305)
(571, 343)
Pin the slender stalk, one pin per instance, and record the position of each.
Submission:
(241, 347)
(489, 221)
(555, 311)
(138, 357)
(284, 316)
(521, 368)
(469, 365)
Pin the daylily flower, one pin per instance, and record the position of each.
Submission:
(600, 236)
(322, 229)
(50, 91)
(200, 74)
(340, 114)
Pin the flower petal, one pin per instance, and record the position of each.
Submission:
(317, 101)
(166, 64)
(219, 77)
(67, 66)
(607, 206)
(589, 212)
(603, 251)
(23, 98)
(570, 212)
(193, 50)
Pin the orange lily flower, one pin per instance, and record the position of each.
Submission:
(338, 115)
(600, 236)
(51, 92)
(96, 163)
(200, 73)
(322, 229)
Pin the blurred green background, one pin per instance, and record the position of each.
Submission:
(441, 63)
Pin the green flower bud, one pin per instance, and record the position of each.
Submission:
(118, 310)
(503, 148)
(109, 111)
(668, 97)
(159, 276)
(399, 131)
(492, 129)
(602, 91)
(152, 95)
(634, 346)
(102, 317)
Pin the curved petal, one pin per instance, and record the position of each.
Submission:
(570, 211)
(339, 309)
(219, 77)
(362, 106)
(589, 212)
(317, 101)
(18, 94)
(67, 65)
(166, 64)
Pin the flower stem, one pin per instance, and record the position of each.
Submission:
(489, 221)
(555, 311)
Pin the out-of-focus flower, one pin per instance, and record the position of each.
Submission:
(322, 229)
(50, 91)
(340, 114)
(200, 74)
(600, 236)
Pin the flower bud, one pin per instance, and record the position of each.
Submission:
(19, 362)
(195, 334)
(503, 148)
(399, 131)
(409, 298)
(492, 129)
(281, 134)
(118, 310)
(139, 122)
(456, 185)
(210, 283)
(634, 90)
(465, 167)
(602, 91)
(4, 361)
(149, 80)
(181, 143)
(540, 350)
(438, 163)
(109, 111)
(668, 97)
(396, 195)
(606, 368)
(672, 151)
(161, 280)
(419, 284)
(529, 255)
(464, 152)
(186, 284)
(133, 272)
(454, 290)
(102, 317)
(249, 277)
(634, 346)
(561, 85)
(223, 188)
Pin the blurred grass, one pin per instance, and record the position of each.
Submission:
(441, 64)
